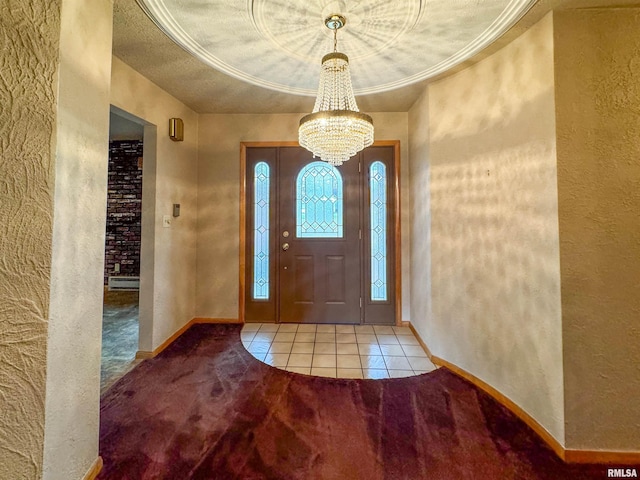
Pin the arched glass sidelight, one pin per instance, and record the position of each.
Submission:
(261, 178)
(319, 205)
(378, 202)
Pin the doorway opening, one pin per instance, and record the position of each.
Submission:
(120, 320)
(320, 244)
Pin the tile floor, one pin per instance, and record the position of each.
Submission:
(119, 336)
(338, 351)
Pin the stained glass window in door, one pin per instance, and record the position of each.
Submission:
(319, 209)
(378, 206)
(261, 231)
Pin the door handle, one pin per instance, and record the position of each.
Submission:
(285, 246)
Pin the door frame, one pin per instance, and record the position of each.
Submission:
(243, 219)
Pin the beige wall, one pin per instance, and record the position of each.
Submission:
(72, 404)
(494, 225)
(420, 216)
(168, 263)
(54, 178)
(219, 196)
(598, 117)
(27, 136)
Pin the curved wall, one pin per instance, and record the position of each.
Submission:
(490, 168)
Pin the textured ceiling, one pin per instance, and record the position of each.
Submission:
(271, 49)
(278, 44)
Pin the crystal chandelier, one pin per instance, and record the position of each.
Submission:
(336, 130)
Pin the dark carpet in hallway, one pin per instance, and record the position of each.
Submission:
(206, 409)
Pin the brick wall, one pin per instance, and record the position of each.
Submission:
(124, 212)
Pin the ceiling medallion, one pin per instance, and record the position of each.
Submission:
(336, 130)
(276, 43)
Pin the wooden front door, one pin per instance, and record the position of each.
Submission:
(319, 239)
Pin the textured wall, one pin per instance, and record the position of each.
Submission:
(219, 193)
(495, 248)
(598, 117)
(170, 171)
(72, 403)
(29, 43)
(420, 220)
(124, 209)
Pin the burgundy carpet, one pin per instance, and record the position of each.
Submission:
(206, 409)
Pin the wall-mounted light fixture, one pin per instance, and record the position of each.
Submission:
(176, 129)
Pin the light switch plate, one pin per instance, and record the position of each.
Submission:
(166, 221)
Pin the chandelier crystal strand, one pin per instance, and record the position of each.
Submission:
(336, 130)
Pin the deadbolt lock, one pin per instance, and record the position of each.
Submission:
(285, 234)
